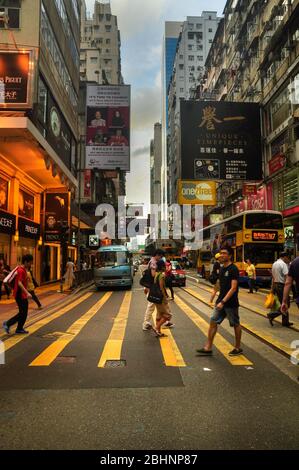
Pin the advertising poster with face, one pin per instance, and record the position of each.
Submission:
(108, 127)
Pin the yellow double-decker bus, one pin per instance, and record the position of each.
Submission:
(257, 235)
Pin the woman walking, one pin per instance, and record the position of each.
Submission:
(169, 278)
(69, 276)
(4, 271)
(163, 310)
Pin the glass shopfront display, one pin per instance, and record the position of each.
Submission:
(5, 247)
(50, 268)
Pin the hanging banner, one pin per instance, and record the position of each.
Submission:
(108, 127)
(249, 190)
(87, 183)
(221, 141)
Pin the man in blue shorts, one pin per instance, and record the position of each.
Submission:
(227, 304)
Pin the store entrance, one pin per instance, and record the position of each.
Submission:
(50, 263)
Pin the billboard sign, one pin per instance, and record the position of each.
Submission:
(108, 127)
(14, 79)
(197, 192)
(221, 141)
(57, 211)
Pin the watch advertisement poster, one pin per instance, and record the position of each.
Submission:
(57, 211)
(221, 141)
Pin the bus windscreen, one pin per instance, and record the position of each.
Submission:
(264, 221)
(113, 258)
(262, 255)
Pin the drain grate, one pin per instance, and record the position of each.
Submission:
(65, 359)
(115, 364)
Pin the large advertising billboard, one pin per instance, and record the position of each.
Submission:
(221, 141)
(15, 77)
(197, 192)
(56, 212)
(108, 127)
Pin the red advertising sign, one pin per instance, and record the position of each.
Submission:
(87, 183)
(240, 207)
(276, 163)
(249, 190)
(259, 201)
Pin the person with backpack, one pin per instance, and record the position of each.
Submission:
(146, 281)
(21, 295)
(159, 297)
(214, 278)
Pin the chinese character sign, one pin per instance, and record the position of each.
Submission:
(108, 127)
(221, 141)
(14, 79)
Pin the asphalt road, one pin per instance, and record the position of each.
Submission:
(59, 391)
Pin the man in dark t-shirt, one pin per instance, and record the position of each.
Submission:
(227, 304)
(292, 276)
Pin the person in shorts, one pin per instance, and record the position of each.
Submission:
(227, 304)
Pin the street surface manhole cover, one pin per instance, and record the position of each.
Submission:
(115, 364)
(55, 335)
(65, 359)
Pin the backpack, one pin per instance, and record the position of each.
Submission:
(147, 278)
(155, 295)
(10, 278)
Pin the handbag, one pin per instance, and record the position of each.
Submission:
(213, 278)
(270, 299)
(155, 295)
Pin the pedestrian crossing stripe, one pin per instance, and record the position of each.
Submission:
(51, 352)
(170, 350)
(267, 338)
(113, 347)
(220, 343)
(15, 339)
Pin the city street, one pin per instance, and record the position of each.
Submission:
(88, 377)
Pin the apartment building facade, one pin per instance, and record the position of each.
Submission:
(255, 58)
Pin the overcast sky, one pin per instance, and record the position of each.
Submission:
(141, 25)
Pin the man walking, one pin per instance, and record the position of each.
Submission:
(227, 304)
(147, 322)
(279, 277)
(251, 274)
(21, 295)
(293, 276)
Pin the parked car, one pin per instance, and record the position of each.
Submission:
(179, 274)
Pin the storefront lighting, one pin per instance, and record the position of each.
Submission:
(40, 241)
(16, 237)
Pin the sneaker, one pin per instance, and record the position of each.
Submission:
(5, 327)
(22, 332)
(236, 352)
(147, 327)
(168, 324)
(40, 308)
(204, 352)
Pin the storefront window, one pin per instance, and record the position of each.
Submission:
(50, 263)
(4, 247)
(278, 195)
(25, 247)
(3, 194)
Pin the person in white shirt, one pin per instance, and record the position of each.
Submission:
(279, 276)
(98, 121)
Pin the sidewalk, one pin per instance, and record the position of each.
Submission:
(49, 296)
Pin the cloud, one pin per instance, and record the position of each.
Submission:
(146, 108)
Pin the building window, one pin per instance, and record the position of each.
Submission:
(210, 41)
(68, 31)
(190, 35)
(210, 30)
(108, 17)
(191, 57)
(190, 47)
(199, 48)
(42, 102)
(108, 41)
(93, 60)
(108, 28)
(11, 9)
(198, 26)
(200, 57)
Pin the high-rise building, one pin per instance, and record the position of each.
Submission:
(156, 161)
(254, 58)
(170, 41)
(100, 62)
(38, 129)
(100, 58)
(193, 46)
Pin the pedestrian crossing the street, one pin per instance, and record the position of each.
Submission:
(174, 351)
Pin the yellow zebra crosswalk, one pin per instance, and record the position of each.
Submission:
(172, 350)
(49, 355)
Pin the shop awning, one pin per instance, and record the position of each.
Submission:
(22, 145)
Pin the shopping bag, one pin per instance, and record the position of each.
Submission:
(270, 299)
